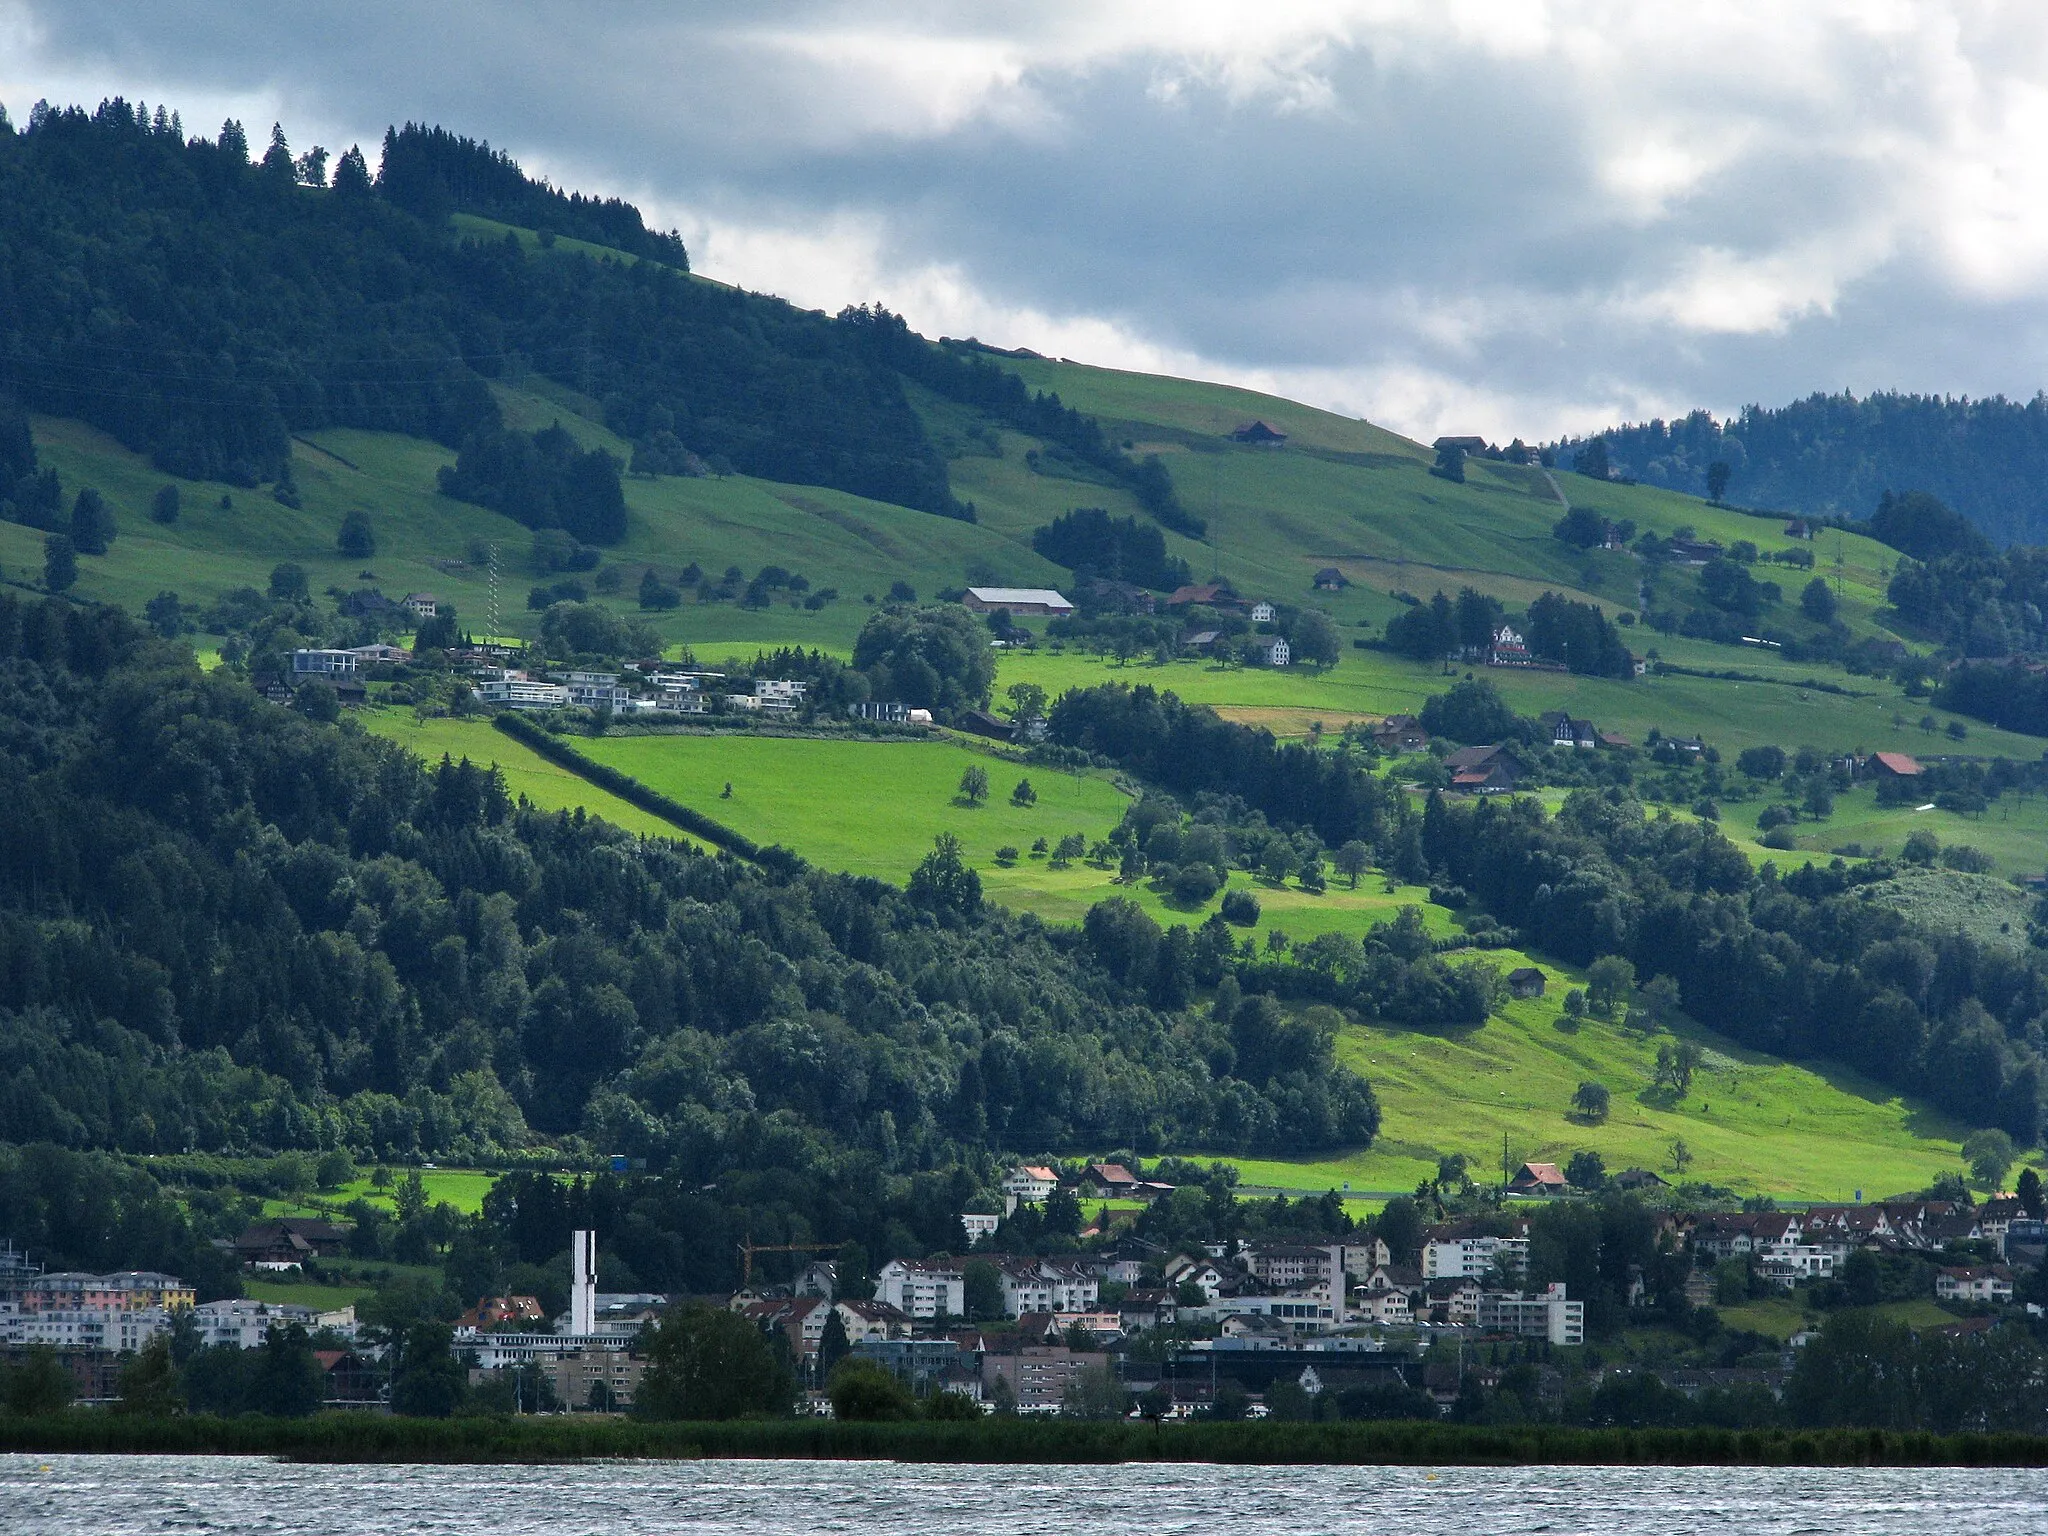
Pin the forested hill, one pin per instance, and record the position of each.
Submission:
(1836, 455)
(203, 307)
(223, 927)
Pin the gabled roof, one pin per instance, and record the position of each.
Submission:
(1897, 762)
(1041, 596)
(1539, 1173)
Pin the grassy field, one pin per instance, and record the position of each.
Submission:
(1366, 685)
(528, 774)
(873, 808)
(2014, 831)
(328, 1298)
(1751, 1122)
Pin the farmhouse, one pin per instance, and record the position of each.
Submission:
(1471, 445)
(1540, 1180)
(1213, 594)
(1040, 602)
(1400, 733)
(421, 605)
(1481, 771)
(1894, 765)
(1263, 612)
(1268, 650)
(1330, 579)
(1526, 981)
(1258, 434)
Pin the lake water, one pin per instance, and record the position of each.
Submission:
(116, 1496)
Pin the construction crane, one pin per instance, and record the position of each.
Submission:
(749, 1248)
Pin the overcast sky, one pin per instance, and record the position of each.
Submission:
(1516, 218)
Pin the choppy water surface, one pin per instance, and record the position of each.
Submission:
(114, 1496)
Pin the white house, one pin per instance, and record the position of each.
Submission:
(421, 605)
(1264, 612)
(1271, 650)
(978, 1225)
(1974, 1282)
(319, 663)
(1030, 1184)
(512, 692)
(923, 1288)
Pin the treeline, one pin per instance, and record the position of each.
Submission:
(1190, 749)
(1796, 966)
(223, 927)
(202, 308)
(959, 372)
(431, 172)
(1576, 634)
(1091, 543)
(1836, 455)
(542, 479)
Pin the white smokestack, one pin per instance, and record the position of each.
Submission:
(582, 1282)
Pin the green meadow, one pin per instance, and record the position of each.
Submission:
(1366, 685)
(528, 775)
(1751, 1122)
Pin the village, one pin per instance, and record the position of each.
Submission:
(1408, 1318)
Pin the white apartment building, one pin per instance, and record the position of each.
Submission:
(325, 663)
(1455, 1258)
(1046, 1285)
(241, 1324)
(1549, 1316)
(98, 1328)
(923, 1288)
(522, 693)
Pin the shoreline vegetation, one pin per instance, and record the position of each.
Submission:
(380, 1439)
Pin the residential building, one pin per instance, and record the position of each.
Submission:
(1268, 650)
(923, 1288)
(1030, 1184)
(515, 692)
(1894, 765)
(1551, 1315)
(1184, 1269)
(1538, 1180)
(1046, 1285)
(891, 713)
(1564, 731)
(979, 1225)
(1457, 1255)
(1289, 1264)
(921, 1364)
(1453, 1300)
(1330, 579)
(1526, 981)
(242, 1323)
(287, 1242)
(324, 663)
(1508, 649)
(131, 1290)
(1990, 1283)
(1482, 771)
(604, 1380)
(1207, 594)
(421, 605)
(1258, 435)
(1263, 612)
(1390, 1306)
(1033, 601)
(1038, 1374)
(1786, 1264)
(801, 1318)
(1400, 733)
(96, 1328)
(865, 1320)
(1313, 1308)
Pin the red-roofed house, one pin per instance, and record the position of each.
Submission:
(1541, 1180)
(1894, 765)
